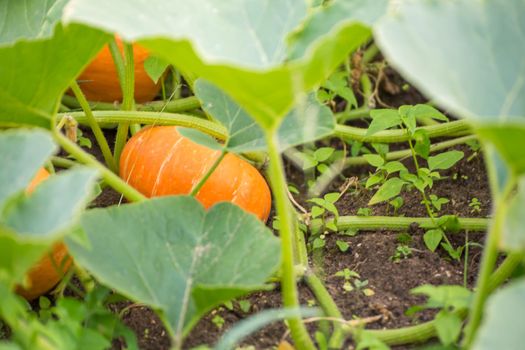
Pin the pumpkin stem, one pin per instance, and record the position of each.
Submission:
(128, 97)
(110, 177)
(490, 254)
(97, 131)
(298, 331)
(205, 178)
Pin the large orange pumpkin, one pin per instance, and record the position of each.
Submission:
(100, 82)
(158, 161)
(46, 273)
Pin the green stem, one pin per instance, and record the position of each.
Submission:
(63, 108)
(505, 269)
(400, 135)
(118, 60)
(370, 53)
(205, 178)
(488, 260)
(329, 307)
(425, 199)
(399, 223)
(338, 167)
(289, 288)
(111, 179)
(300, 245)
(97, 131)
(62, 162)
(153, 118)
(128, 97)
(174, 106)
(465, 261)
(177, 82)
(407, 335)
(353, 114)
(134, 128)
(366, 85)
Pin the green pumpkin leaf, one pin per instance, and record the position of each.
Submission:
(502, 327)
(29, 20)
(492, 30)
(18, 256)
(35, 74)
(173, 255)
(53, 207)
(240, 46)
(488, 90)
(29, 224)
(155, 67)
(307, 122)
(22, 153)
(257, 321)
(509, 141)
(200, 138)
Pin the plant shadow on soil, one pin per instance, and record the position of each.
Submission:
(369, 254)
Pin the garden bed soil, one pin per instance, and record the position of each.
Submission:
(369, 254)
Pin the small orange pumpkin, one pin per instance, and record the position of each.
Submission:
(45, 274)
(100, 82)
(158, 161)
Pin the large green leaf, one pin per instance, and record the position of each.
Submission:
(22, 153)
(28, 19)
(308, 121)
(467, 55)
(30, 224)
(510, 141)
(53, 207)
(247, 33)
(327, 19)
(503, 324)
(33, 75)
(257, 321)
(172, 255)
(17, 256)
(239, 45)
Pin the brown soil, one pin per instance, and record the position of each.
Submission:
(369, 254)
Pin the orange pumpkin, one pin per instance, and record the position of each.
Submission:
(158, 161)
(45, 274)
(100, 82)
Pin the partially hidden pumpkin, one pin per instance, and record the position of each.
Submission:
(100, 82)
(158, 161)
(43, 276)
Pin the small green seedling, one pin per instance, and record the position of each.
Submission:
(218, 321)
(321, 208)
(364, 212)
(342, 245)
(475, 205)
(402, 252)
(353, 282)
(451, 300)
(396, 204)
(337, 85)
(436, 202)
